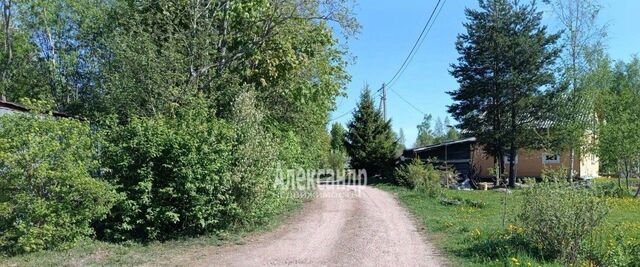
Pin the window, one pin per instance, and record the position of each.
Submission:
(550, 158)
(506, 160)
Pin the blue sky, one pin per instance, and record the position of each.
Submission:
(389, 29)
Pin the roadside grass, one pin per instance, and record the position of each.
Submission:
(98, 253)
(454, 229)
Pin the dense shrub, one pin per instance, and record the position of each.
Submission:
(193, 174)
(420, 176)
(254, 162)
(48, 196)
(554, 175)
(174, 173)
(610, 189)
(557, 219)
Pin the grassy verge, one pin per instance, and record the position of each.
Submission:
(453, 227)
(98, 253)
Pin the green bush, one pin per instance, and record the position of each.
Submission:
(610, 189)
(48, 197)
(193, 174)
(612, 249)
(420, 176)
(174, 173)
(502, 245)
(254, 163)
(557, 220)
(552, 175)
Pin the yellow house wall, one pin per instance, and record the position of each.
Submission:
(530, 163)
(589, 165)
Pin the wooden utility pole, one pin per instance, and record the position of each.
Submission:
(384, 101)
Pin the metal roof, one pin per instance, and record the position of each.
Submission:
(428, 147)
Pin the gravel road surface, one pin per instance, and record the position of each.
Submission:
(344, 226)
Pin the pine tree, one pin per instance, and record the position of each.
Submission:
(370, 140)
(505, 59)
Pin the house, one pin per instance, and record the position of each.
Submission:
(470, 161)
(7, 107)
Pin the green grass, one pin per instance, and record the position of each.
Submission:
(452, 227)
(98, 253)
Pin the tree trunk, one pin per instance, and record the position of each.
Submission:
(222, 45)
(8, 45)
(501, 168)
(513, 150)
(572, 156)
(626, 173)
(512, 165)
(496, 165)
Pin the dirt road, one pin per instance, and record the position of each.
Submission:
(352, 226)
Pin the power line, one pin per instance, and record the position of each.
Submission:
(414, 50)
(416, 44)
(406, 101)
(411, 56)
(341, 115)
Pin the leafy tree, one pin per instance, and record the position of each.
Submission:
(618, 136)
(426, 136)
(337, 156)
(272, 68)
(575, 111)
(439, 131)
(337, 137)
(149, 58)
(369, 139)
(505, 60)
(452, 133)
(401, 140)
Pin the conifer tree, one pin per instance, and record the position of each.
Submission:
(505, 60)
(370, 140)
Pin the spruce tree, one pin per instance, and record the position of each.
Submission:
(505, 60)
(370, 140)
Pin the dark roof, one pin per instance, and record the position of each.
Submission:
(428, 147)
(20, 108)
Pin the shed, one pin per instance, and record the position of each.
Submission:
(456, 154)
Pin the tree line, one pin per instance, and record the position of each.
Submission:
(183, 108)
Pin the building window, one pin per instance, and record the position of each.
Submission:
(550, 158)
(506, 160)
